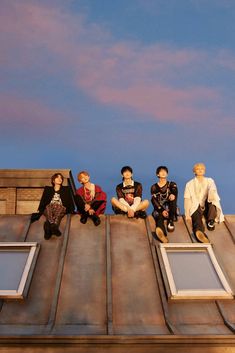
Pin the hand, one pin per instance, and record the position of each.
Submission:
(91, 211)
(130, 213)
(87, 207)
(165, 213)
(171, 197)
(35, 217)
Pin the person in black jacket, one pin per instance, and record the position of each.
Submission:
(56, 201)
(129, 196)
(164, 199)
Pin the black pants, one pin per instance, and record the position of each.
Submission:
(81, 205)
(159, 218)
(209, 213)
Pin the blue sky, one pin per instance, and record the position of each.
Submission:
(100, 84)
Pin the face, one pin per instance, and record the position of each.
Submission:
(83, 179)
(163, 173)
(127, 174)
(58, 180)
(199, 170)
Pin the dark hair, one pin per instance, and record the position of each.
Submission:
(54, 176)
(160, 168)
(125, 168)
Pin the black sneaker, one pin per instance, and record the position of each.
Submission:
(83, 219)
(47, 230)
(55, 230)
(211, 225)
(95, 219)
(201, 237)
(170, 226)
(140, 214)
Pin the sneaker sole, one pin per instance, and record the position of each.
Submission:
(161, 236)
(201, 237)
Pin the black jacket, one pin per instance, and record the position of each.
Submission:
(65, 195)
(160, 202)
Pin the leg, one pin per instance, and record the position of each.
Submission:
(197, 220)
(118, 207)
(160, 227)
(54, 214)
(198, 227)
(172, 215)
(210, 215)
(140, 210)
(81, 209)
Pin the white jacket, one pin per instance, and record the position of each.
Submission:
(191, 200)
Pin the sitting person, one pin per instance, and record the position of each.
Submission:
(129, 194)
(201, 199)
(90, 199)
(55, 202)
(164, 199)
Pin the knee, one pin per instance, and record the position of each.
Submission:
(113, 201)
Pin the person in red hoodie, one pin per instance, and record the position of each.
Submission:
(90, 199)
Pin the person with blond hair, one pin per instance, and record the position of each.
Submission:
(90, 199)
(129, 196)
(201, 199)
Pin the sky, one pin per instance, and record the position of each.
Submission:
(98, 84)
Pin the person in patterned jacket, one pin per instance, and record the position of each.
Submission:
(129, 196)
(90, 199)
(164, 200)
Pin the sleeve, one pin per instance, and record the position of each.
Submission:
(119, 192)
(137, 201)
(123, 201)
(155, 203)
(44, 200)
(187, 192)
(138, 190)
(173, 188)
(187, 201)
(69, 200)
(187, 205)
(100, 195)
(212, 192)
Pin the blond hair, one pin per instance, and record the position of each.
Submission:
(198, 165)
(83, 172)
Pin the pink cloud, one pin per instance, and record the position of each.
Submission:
(148, 79)
(25, 114)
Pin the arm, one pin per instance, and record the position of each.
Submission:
(68, 200)
(156, 204)
(100, 195)
(187, 202)
(42, 205)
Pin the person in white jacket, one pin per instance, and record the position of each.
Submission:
(201, 199)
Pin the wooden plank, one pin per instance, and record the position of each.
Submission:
(82, 301)
(13, 227)
(35, 309)
(136, 302)
(224, 248)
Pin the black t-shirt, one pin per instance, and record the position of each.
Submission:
(129, 192)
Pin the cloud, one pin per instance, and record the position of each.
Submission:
(154, 80)
(23, 115)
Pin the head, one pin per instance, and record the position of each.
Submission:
(126, 172)
(199, 169)
(83, 177)
(162, 171)
(57, 178)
